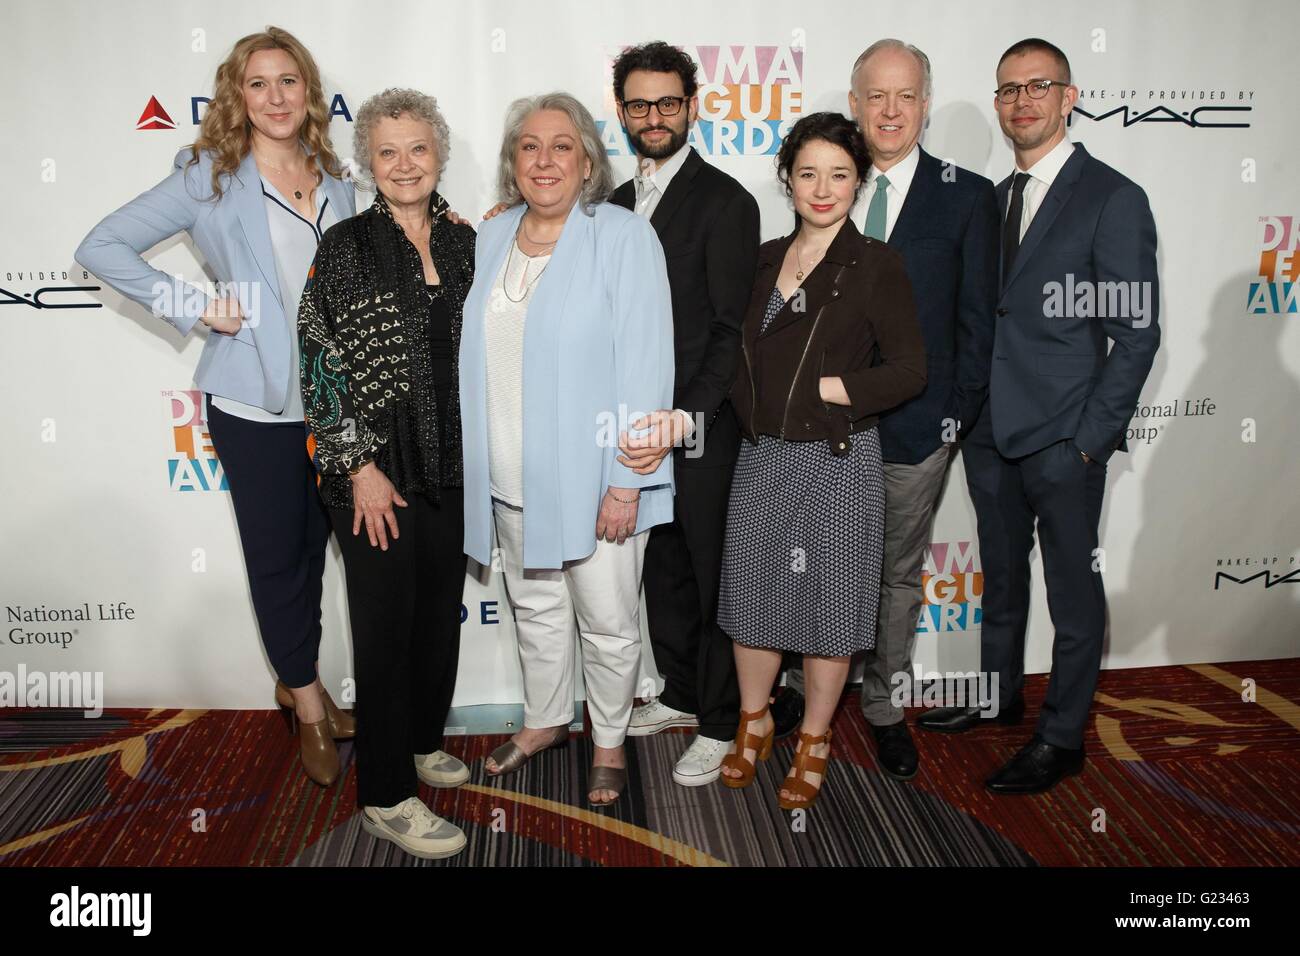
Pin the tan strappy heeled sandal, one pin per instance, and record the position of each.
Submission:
(762, 746)
(804, 764)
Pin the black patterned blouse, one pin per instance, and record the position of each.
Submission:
(369, 382)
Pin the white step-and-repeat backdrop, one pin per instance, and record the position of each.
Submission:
(119, 546)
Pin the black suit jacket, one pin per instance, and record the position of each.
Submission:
(1085, 272)
(707, 223)
(947, 233)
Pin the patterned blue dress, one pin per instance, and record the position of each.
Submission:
(805, 536)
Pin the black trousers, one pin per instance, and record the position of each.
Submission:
(1061, 492)
(683, 563)
(283, 531)
(404, 605)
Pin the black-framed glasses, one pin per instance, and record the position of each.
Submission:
(1034, 89)
(666, 105)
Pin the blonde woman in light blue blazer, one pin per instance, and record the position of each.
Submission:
(544, 403)
(255, 193)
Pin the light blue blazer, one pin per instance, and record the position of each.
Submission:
(598, 335)
(251, 366)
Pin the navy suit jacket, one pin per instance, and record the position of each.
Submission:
(947, 234)
(1085, 272)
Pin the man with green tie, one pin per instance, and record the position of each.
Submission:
(944, 222)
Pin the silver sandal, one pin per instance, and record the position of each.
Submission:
(509, 757)
(606, 778)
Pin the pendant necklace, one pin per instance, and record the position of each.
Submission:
(297, 193)
(800, 272)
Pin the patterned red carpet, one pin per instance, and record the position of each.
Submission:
(1181, 771)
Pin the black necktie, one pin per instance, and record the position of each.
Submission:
(1011, 227)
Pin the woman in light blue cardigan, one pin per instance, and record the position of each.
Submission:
(543, 405)
(254, 193)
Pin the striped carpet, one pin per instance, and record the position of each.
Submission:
(1181, 771)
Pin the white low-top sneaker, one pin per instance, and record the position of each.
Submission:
(441, 769)
(415, 828)
(653, 717)
(702, 762)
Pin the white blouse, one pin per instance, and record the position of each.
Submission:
(294, 241)
(504, 339)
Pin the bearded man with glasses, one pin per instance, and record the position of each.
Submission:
(708, 225)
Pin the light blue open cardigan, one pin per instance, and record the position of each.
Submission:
(598, 339)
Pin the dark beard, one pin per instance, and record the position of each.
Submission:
(676, 140)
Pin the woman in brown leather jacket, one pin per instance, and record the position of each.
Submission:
(830, 341)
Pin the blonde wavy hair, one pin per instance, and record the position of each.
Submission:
(226, 131)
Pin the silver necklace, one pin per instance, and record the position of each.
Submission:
(524, 229)
(528, 286)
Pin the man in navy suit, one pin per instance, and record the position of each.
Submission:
(1078, 268)
(944, 222)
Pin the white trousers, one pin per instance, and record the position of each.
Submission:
(598, 599)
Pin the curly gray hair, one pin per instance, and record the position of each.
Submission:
(393, 103)
(601, 183)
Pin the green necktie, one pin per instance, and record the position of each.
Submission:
(877, 215)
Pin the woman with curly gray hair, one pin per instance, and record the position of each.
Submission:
(380, 328)
(543, 415)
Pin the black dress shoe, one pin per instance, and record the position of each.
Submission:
(895, 751)
(787, 711)
(1039, 766)
(956, 720)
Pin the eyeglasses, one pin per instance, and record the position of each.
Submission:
(666, 105)
(1035, 89)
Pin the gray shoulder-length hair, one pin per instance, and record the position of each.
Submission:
(601, 183)
(393, 103)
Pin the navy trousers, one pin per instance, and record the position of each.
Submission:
(283, 531)
(1055, 488)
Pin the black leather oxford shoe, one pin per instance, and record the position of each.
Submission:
(895, 751)
(956, 720)
(1037, 767)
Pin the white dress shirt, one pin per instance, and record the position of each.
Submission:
(900, 177)
(651, 183)
(1041, 176)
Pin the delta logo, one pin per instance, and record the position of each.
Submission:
(1279, 268)
(750, 95)
(953, 588)
(192, 463)
(156, 117)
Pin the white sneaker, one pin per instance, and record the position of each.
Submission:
(415, 828)
(440, 769)
(649, 719)
(702, 762)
